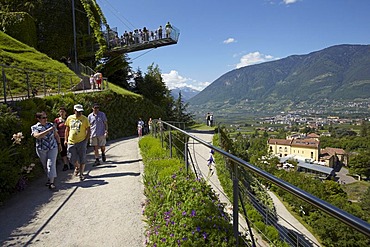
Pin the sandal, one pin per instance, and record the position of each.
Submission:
(82, 177)
(47, 183)
(52, 186)
(76, 171)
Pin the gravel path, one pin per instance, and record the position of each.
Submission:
(103, 210)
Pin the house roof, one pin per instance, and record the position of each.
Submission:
(332, 151)
(313, 135)
(319, 168)
(279, 141)
(306, 143)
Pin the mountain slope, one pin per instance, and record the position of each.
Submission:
(336, 73)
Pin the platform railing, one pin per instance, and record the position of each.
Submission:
(161, 127)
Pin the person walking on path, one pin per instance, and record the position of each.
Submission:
(77, 133)
(61, 127)
(99, 131)
(92, 82)
(98, 79)
(150, 124)
(47, 144)
(140, 126)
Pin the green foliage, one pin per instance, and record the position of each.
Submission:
(180, 113)
(365, 200)
(96, 17)
(180, 209)
(153, 87)
(360, 163)
(19, 25)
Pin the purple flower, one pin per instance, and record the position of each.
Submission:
(163, 239)
(198, 229)
(193, 213)
(171, 235)
(174, 176)
(185, 238)
(205, 235)
(184, 213)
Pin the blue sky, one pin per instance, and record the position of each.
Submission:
(217, 36)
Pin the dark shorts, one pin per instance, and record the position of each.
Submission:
(77, 152)
(63, 153)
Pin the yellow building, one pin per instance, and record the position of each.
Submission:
(308, 148)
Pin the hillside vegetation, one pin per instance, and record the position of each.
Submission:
(320, 79)
(27, 69)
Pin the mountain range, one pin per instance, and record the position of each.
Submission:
(330, 77)
(186, 93)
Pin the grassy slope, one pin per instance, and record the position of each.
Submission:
(27, 59)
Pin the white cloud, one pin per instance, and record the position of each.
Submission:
(286, 2)
(174, 80)
(289, 1)
(229, 40)
(253, 58)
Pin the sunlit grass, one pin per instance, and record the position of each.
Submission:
(120, 90)
(355, 190)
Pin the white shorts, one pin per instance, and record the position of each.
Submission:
(98, 141)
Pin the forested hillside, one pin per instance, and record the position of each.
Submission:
(338, 73)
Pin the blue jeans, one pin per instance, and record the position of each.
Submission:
(48, 160)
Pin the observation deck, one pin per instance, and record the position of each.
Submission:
(132, 43)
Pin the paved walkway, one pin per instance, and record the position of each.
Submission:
(103, 210)
(287, 220)
(201, 153)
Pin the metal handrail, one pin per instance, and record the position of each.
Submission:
(347, 218)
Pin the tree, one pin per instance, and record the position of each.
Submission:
(118, 70)
(179, 111)
(152, 87)
(365, 201)
(364, 131)
(360, 163)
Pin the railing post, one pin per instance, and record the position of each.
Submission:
(71, 83)
(43, 76)
(4, 84)
(58, 84)
(161, 130)
(154, 129)
(235, 204)
(28, 85)
(186, 158)
(170, 141)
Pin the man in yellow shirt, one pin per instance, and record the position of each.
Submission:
(76, 136)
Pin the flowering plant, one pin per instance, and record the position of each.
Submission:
(13, 174)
